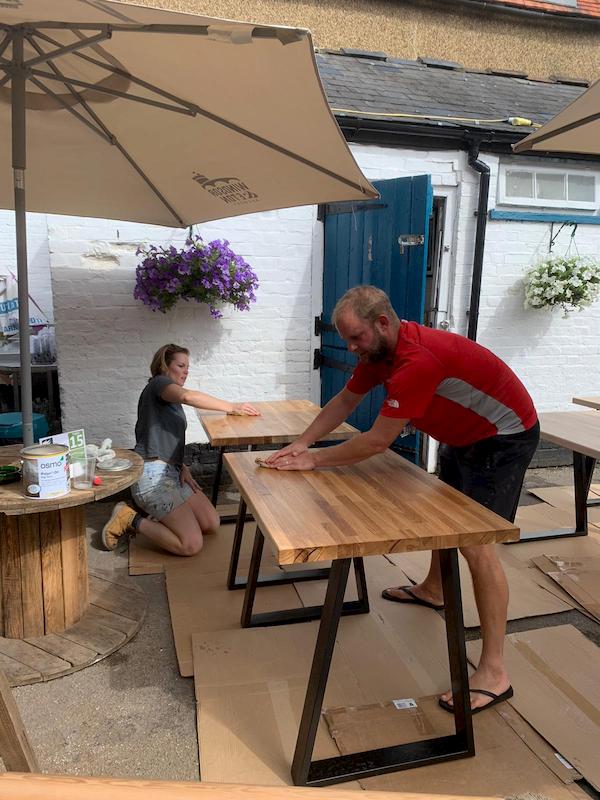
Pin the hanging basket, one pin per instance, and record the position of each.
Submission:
(205, 273)
(571, 283)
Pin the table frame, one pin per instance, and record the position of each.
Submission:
(325, 772)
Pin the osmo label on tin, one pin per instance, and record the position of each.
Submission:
(45, 471)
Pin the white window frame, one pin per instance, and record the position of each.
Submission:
(535, 202)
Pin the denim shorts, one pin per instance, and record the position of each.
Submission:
(159, 489)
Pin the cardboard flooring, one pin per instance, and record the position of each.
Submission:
(579, 577)
(564, 497)
(527, 598)
(503, 765)
(200, 602)
(554, 672)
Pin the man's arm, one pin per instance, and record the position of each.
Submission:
(331, 415)
(385, 430)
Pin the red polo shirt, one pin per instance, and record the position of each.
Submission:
(448, 386)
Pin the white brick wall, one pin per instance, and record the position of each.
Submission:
(106, 338)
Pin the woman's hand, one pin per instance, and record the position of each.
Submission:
(292, 450)
(243, 410)
(185, 476)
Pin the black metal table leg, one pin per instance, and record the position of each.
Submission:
(291, 615)
(583, 469)
(317, 683)
(217, 481)
(386, 759)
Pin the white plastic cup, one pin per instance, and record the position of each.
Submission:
(82, 472)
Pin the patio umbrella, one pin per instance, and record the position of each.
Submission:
(125, 112)
(576, 129)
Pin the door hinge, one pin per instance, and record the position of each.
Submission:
(323, 327)
(317, 358)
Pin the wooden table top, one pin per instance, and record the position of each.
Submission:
(575, 430)
(382, 505)
(590, 402)
(281, 422)
(13, 501)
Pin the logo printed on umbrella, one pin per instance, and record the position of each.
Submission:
(229, 190)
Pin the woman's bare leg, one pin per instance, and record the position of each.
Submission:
(178, 532)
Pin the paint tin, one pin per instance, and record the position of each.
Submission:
(45, 471)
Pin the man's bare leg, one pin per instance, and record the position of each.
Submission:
(429, 589)
(491, 595)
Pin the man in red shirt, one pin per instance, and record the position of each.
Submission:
(464, 396)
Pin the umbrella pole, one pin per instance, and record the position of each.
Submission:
(19, 149)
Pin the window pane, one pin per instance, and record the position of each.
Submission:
(582, 187)
(550, 187)
(519, 183)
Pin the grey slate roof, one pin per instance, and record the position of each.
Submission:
(394, 86)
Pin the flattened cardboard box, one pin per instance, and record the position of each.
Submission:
(527, 598)
(251, 685)
(503, 764)
(554, 672)
(200, 602)
(579, 577)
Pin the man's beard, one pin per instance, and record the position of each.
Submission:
(378, 352)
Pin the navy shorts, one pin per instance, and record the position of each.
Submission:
(492, 470)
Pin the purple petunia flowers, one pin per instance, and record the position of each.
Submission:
(207, 273)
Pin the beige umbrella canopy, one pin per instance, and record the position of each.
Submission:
(124, 112)
(576, 129)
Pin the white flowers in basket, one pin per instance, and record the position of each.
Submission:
(573, 283)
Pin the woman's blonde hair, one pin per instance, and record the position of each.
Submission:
(163, 357)
(367, 302)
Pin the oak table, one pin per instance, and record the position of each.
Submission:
(44, 581)
(280, 422)
(590, 402)
(382, 505)
(578, 431)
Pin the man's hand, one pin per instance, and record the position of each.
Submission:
(292, 450)
(185, 476)
(303, 461)
(243, 410)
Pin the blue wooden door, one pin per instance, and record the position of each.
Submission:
(361, 246)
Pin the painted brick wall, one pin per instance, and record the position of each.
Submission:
(106, 339)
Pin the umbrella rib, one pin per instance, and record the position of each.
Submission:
(113, 92)
(193, 109)
(69, 48)
(71, 110)
(59, 99)
(258, 31)
(4, 44)
(101, 131)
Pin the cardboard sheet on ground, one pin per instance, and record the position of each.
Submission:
(578, 576)
(564, 497)
(544, 517)
(200, 602)
(504, 765)
(554, 672)
(250, 686)
(146, 558)
(527, 598)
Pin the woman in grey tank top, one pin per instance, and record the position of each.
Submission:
(178, 511)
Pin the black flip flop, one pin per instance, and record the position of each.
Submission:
(413, 598)
(496, 698)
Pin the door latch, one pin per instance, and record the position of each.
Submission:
(410, 240)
